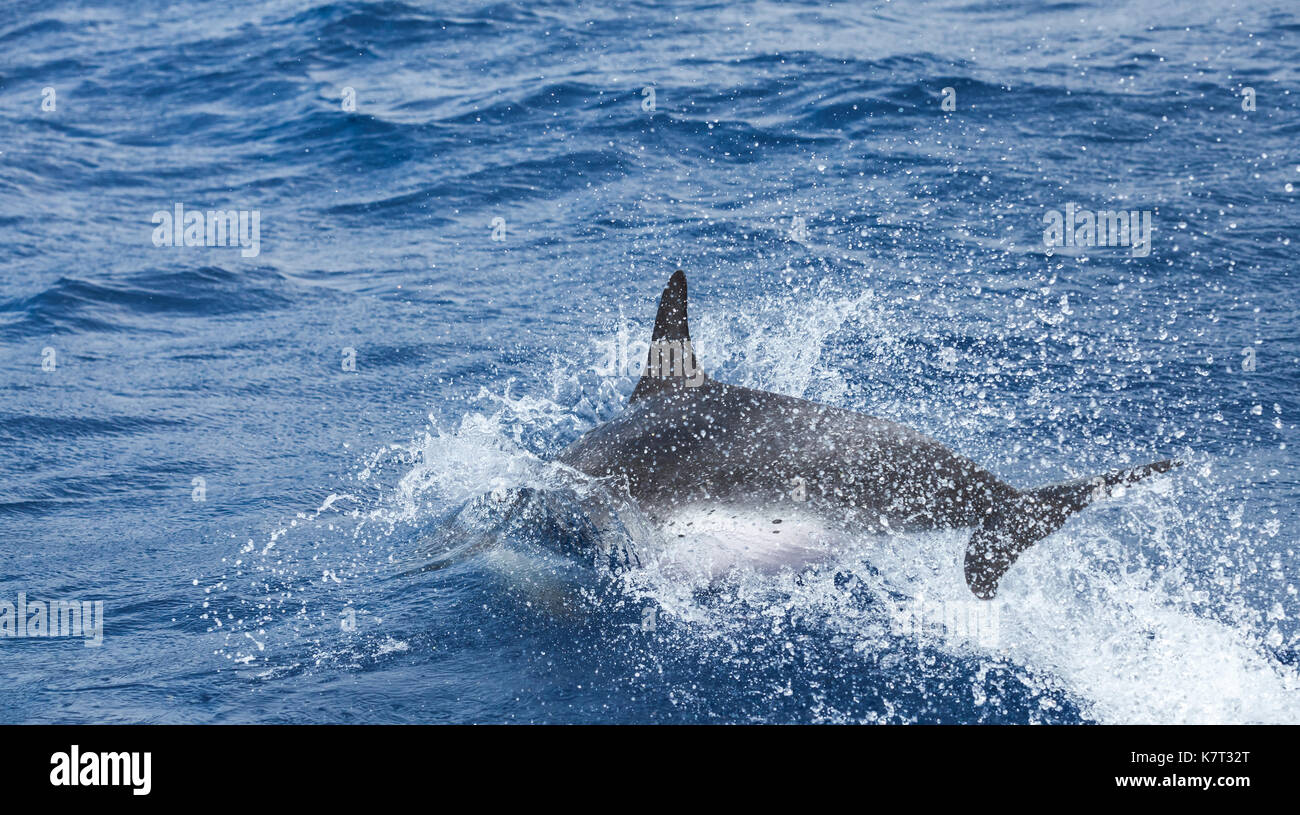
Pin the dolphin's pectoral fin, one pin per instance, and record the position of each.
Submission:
(1033, 515)
(670, 362)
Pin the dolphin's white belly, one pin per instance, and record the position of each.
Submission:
(714, 540)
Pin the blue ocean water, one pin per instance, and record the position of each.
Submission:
(463, 207)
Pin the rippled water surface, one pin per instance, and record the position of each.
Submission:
(847, 240)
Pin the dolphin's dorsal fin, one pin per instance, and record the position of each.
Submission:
(670, 363)
(670, 320)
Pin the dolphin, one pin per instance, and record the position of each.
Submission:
(689, 446)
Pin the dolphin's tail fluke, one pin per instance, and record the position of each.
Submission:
(1033, 515)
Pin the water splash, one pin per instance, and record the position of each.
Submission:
(1082, 620)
